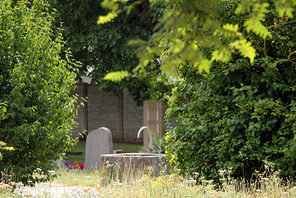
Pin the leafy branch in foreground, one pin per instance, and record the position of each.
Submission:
(190, 29)
(116, 76)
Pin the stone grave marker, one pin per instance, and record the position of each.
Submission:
(98, 142)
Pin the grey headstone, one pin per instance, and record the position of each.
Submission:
(98, 142)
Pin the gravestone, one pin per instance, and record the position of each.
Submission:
(98, 142)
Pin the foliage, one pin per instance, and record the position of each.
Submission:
(104, 48)
(158, 144)
(3, 108)
(35, 86)
(116, 76)
(3, 145)
(240, 115)
(187, 27)
(242, 112)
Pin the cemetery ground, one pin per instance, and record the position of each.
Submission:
(80, 183)
(86, 184)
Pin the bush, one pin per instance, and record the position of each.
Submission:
(240, 115)
(35, 84)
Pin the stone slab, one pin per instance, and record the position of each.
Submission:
(98, 142)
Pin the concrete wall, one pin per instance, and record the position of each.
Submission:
(133, 119)
(118, 113)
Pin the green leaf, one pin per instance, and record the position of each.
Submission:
(169, 69)
(223, 55)
(116, 76)
(137, 43)
(245, 48)
(253, 23)
(109, 17)
(285, 7)
(230, 29)
(257, 27)
(204, 65)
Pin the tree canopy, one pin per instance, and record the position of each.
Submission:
(104, 48)
(188, 27)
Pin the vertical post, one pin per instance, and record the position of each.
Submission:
(120, 98)
(152, 118)
(85, 95)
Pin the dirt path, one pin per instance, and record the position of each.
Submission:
(56, 191)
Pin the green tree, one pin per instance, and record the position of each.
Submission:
(187, 27)
(35, 86)
(104, 48)
(240, 115)
(234, 106)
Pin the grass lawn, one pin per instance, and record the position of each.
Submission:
(77, 178)
(80, 147)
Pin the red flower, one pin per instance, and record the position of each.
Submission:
(81, 166)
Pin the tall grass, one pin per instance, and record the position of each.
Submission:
(137, 183)
(173, 185)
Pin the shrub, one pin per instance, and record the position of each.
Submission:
(240, 114)
(35, 85)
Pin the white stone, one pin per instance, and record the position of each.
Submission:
(98, 142)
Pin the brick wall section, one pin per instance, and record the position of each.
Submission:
(104, 111)
(133, 119)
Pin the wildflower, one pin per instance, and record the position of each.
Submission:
(159, 180)
(86, 190)
(154, 185)
(193, 191)
(81, 165)
(98, 188)
(145, 177)
(4, 186)
(181, 183)
(170, 181)
(181, 178)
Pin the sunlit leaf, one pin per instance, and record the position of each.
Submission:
(204, 65)
(245, 48)
(105, 19)
(223, 55)
(116, 76)
(285, 7)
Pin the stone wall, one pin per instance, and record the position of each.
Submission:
(118, 113)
